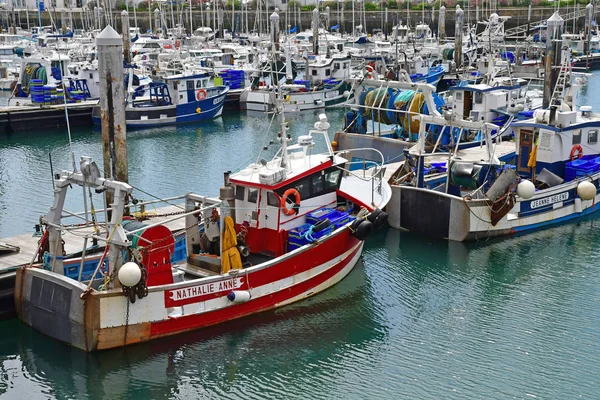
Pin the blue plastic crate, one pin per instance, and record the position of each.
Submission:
(439, 167)
(89, 266)
(320, 214)
(296, 236)
(179, 252)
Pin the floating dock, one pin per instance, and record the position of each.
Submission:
(26, 117)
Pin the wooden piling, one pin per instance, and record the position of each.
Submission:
(112, 104)
(458, 35)
(554, 32)
(126, 37)
(442, 24)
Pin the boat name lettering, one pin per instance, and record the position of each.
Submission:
(550, 200)
(207, 288)
(218, 100)
(331, 94)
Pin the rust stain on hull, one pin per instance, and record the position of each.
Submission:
(109, 338)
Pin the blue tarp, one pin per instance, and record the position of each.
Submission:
(335, 27)
(293, 30)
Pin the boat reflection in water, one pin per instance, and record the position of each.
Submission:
(269, 354)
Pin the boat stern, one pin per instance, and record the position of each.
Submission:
(51, 304)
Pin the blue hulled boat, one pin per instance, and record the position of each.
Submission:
(179, 99)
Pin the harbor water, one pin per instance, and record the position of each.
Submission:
(422, 319)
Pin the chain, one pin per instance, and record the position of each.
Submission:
(126, 322)
(85, 331)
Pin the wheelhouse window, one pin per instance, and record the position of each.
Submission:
(577, 136)
(478, 97)
(458, 95)
(303, 187)
(272, 199)
(316, 185)
(240, 191)
(190, 86)
(332, 179)
(252, 195)
(593, 136)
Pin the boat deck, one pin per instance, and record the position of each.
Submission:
(20, 250)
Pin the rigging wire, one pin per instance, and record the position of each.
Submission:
(157, 198)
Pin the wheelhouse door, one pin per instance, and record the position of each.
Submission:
(468, 103)
(525, 146)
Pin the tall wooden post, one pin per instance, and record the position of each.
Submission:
(442, 25)
(126, 36)
(553, 36)
(315, 26)
(112, 104)
(458, 36)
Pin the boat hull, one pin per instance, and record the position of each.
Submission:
(146, 117)
(263, 100)
(440, 215)
(53, 304)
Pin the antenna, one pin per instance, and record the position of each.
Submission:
(67, 115)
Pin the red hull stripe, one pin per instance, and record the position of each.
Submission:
(311, 171)
(263, 303)
(304, 261)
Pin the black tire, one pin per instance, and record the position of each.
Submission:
(362, 229)
(373, 215)
(322, 224)
(355, 224)
(380, 221)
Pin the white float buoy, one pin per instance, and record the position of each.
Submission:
(526, 189)
(239, 296)
(586, 190)
(129, 274)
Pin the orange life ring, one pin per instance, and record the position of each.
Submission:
(576, 152)
(283, 202)
(200, 94)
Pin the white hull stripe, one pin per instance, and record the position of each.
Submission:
(152, 307)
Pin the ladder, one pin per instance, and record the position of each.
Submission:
(563, 82)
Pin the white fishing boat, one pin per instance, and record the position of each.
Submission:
(555, 179)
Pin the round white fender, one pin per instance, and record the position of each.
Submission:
(526, 189)
(129, 274)
(239, 296)
(586, 190)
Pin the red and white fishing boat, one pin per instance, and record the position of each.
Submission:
(281, 231)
